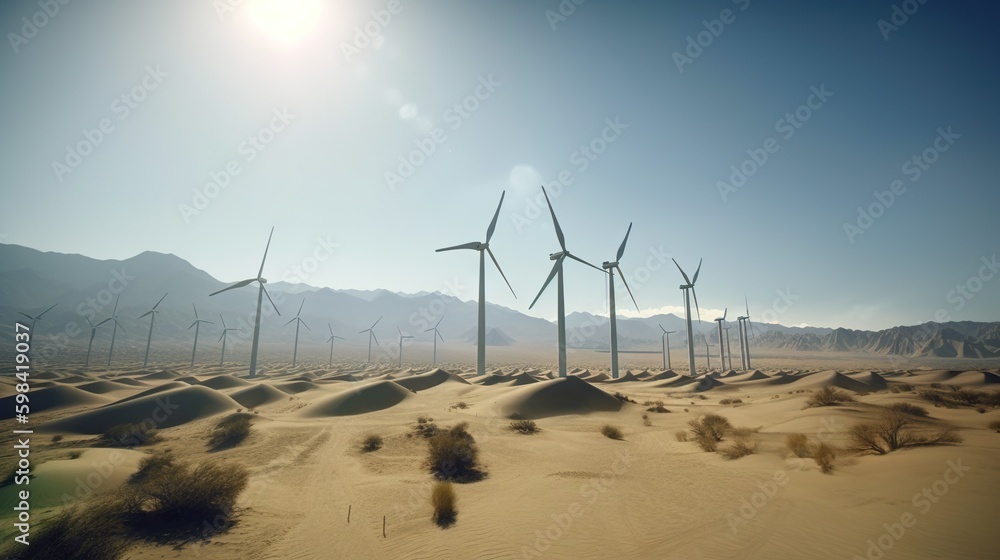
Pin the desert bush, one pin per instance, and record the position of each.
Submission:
(710, 426)
(453, 454)
(424, 419)
(744, 431)
(980, 410)
(657, 406)
(178, 493)
(961, 398)
(611, 432)
(461, 404)
(129, 435)
(824, 455)
(425, 427)
(865, 438)
(994, 425)
(681, 435)
(92, 532)
(57, 438)
(524, 426)
(645, 420)
(891, 431)
(706, 442)
(151, 466)
(911, 409)
(230, 431)
(443, 499)
(828, 396)
(741, 446)
(623, 397)
(371, 443)
(703, 397)
(798, 444)
(731, 401)
(901, 388)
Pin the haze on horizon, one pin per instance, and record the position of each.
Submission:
(301, 112)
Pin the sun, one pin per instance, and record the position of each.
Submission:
(286, 20)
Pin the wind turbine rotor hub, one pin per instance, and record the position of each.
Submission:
(555, 256)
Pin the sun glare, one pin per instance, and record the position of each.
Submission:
(286, 20)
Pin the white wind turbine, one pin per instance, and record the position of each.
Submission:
(114, 329)
(225, 332)
(332, 338)
(610, 267)
(728, 349)
(745, 333)
(401, 338)
(688, 290)
(665, 340)
(437, 335)
(152, 319)
(371, 335)
(261, 292)
(722, 349)
(298, 321)
(197, 326)
(93, 333)
(483, 248)
(557, 271)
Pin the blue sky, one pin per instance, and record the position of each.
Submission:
(607, 104)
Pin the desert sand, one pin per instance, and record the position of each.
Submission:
(565, 492)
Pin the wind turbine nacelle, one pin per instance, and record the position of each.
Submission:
(607, 265)
(262, 280)
(555, 256)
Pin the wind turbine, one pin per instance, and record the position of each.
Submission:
(225, 331)
(688, 290)
(37, 317)
(743, 350)
(197, 327)
(747, 334)
(298, 321)
(483, 248)
(330, 340)
(401, 337)
(437, 335)
(371, 335)
(722, 349)
(666, 346)
(93, 333)
(114, 329)
(152, 319)
(260, 296)
(728, 350)
(557, 270)
(610, 267)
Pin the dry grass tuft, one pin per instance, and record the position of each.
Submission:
(443, 499)
(911, 409)
(742, 446)
(230, 431)
(824, 455)
(798, 444)
(453, 454)
(612, 432)
(130, 435)
(828, 396)
(525, 426)
(681, 435)
(372, 443)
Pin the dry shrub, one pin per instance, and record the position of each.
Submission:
(798, 444)
(706, 442)
(911, 409)
(230, 431)
(425, 427)
(175, 493)
(95, 531)
(901, 388)
(461, 404)
(892, 431)
(681, 435)
(656, 406)
(130, 435)
(443, 499)
(645, 420)
(828, 396)
(711, 427)
(453, 454)
(611, 432)
(994, 425)
(961, 397)
(731, 401)
(151, 466)
(372, 443)
(824, 455)
(624, 398)
(741, 446)
(524, 426)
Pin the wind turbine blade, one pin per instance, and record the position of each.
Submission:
(146, 313)
(429, 330)
(270, 300)
(684, 274)
(115, 311)
(364, 331)
(493, 224)
(260, 272)
(376, 322)
(329, 326)
(695, 294)
(330, 339)
(661, 328)
(340, 337)
(697, 270)
(399, 331)
(552, 274)
(746, 303)
(626, 287)
(578, 259)
(192, 324)
(161, 301)
(234, 286)
(300, 307)
(304, 324)
(102, 322)
(26, 315)
(470, 245)
(555, 222)
(724, 313)
(195, 311)
(120, 326)
(439, 322)
(46, 311)
(621, 250)
(223, 321)
(439, 335)
(206, 322)
(88, 322)
(494, 259)
(223, 335)
(372, 333)
(290, 321)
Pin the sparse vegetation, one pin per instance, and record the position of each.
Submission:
(901, 388)
(681, 435)
(892, 431)
(453, 454)
(57, 438)
(623, 397)
(824, 455)
(961, 398)
(798, 444)
(911, 409)
(743, 444)
(461, 405)
(994, 425)
(731, 401)
(425, 427)
(151, 466)
(524, 426)
(230, 431)
(710, 426)
(611, 432)
(94, 531)
(655, 406)
(371, 443)
(828, 396)
(645, 419)
(129, 435)
(75, 454)
(443, 499)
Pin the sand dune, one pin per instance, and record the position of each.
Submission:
(358, 400)
(829, 378)
(746, 376)
(623, 379)
(159, 375)
(567, 395)
(430, 379)
(295, 387)
(494, 379)
(224, 382)
(168, 386)
(663, 375)
(48, 398)
(102, 386)
(165, 409)
(258, 395)
(869, 378)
